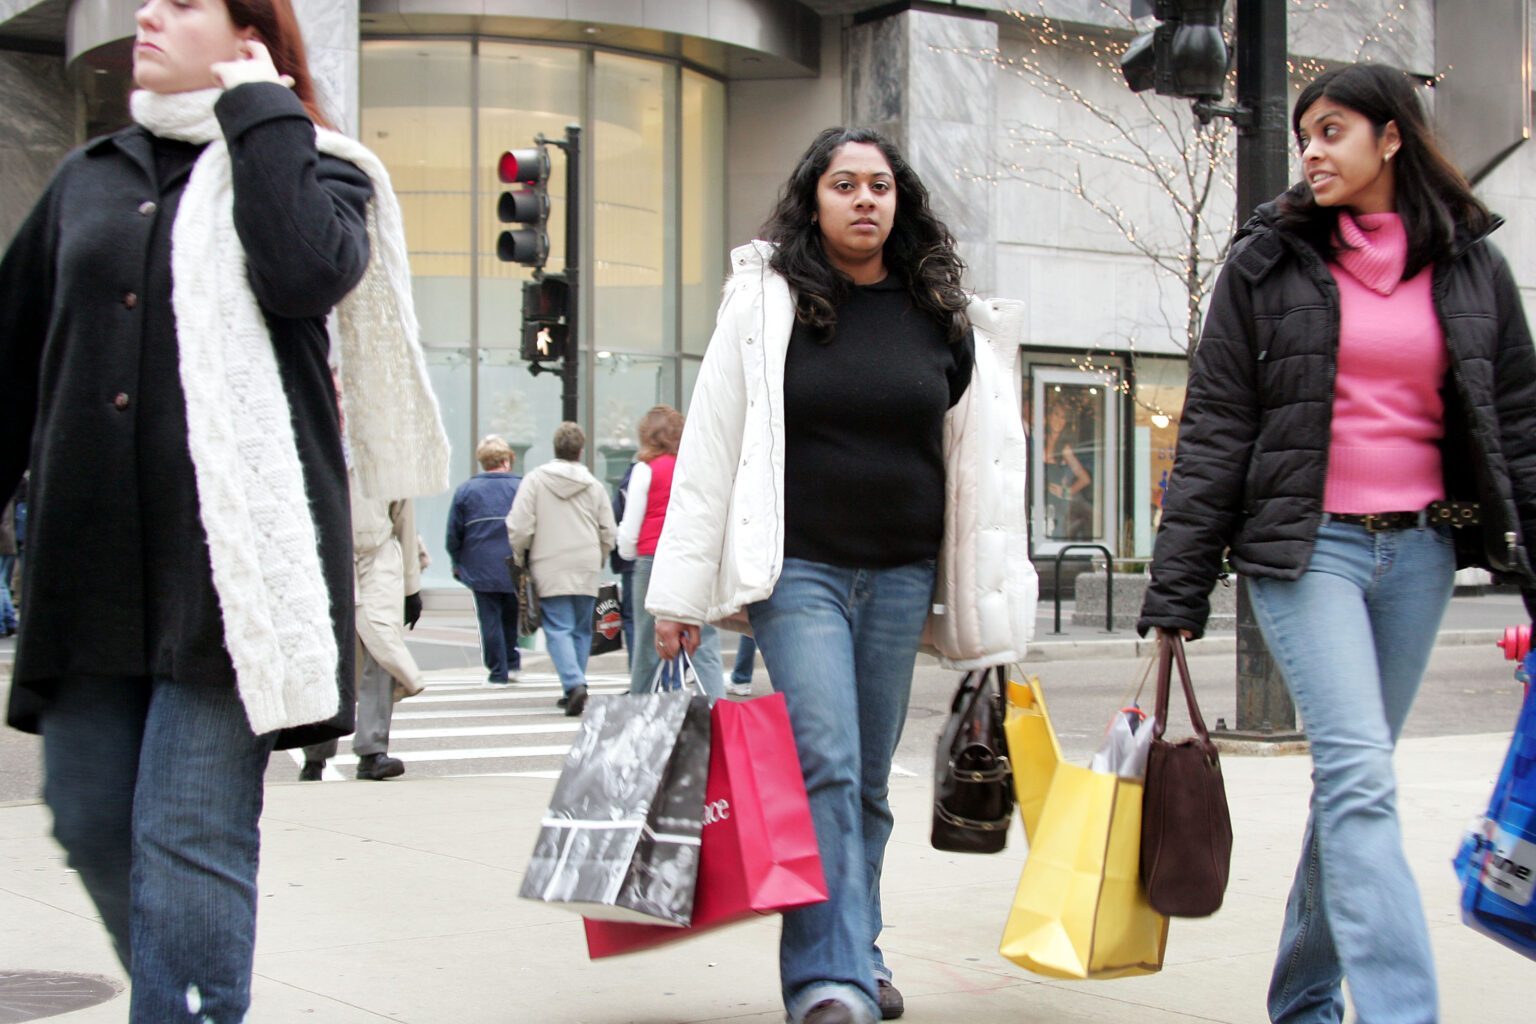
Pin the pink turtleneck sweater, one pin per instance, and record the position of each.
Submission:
(1388, 416)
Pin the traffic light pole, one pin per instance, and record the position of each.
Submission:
(571, 144)
(1264, 708)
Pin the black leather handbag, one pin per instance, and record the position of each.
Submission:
(972, 779)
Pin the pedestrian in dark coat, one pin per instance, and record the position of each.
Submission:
(1360, 421)
(163, 372)
(477, 544)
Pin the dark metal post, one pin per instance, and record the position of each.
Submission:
(1264, 706)
(572, 147)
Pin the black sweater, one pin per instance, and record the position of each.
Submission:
(864, 432)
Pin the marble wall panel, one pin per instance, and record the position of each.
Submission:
(328, 24)
(875, 55)
(951, 67)
(925, 80)
(331, 38)
(37, 127)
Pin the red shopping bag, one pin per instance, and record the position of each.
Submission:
(759, 852)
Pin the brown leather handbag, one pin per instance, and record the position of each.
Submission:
(1186, 831)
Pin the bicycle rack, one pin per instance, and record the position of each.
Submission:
(1109, 585)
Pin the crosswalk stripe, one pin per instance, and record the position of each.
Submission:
(465, 754)
(484, 730)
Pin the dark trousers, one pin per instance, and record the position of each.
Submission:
(497, 613)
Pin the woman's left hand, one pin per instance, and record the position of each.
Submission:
(255, 66)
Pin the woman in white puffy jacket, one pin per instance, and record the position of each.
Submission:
(851, 479)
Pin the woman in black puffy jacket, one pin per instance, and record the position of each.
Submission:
(1360, 422)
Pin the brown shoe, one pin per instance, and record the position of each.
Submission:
(891, 1003)
(829, 1011)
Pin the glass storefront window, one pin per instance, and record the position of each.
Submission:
(1073, 418)
(1158, 402)
(439, 113)
(416, 116)
(702, 215)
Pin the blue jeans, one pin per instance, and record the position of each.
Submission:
(840, 644)
(1352, 638)
(642, 667)
(627, 614)
(497, 613)
(7, 609)
(746, 657)
(568, 635)
(156, 791)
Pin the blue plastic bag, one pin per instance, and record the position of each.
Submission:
(1497, 861)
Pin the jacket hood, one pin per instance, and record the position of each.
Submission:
(566, 479)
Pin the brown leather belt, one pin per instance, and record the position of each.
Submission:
(1436, 513)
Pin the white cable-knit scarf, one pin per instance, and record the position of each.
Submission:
(250, 484)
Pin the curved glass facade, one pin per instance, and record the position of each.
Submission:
(438, 112)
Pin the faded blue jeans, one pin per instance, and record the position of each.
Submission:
(840, 644)
(568, 635)
(642, 666)
(1352, 638)
(156, 791)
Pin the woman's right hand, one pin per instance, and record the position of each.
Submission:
(670, 635)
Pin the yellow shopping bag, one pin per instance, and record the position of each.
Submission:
(1033, 749)
(1079, 911)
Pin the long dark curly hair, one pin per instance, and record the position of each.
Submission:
(920, 248)
(1433, 199)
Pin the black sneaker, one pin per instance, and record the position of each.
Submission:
(891, 1003)
(379, 767)
(576, 702)
(312, 771)
(563, 701)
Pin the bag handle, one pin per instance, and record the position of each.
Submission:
(1171, 652)
(687, 667)
(979, 693)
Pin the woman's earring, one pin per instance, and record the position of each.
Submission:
(815, 218)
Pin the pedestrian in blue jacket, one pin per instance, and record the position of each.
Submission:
(477, 544)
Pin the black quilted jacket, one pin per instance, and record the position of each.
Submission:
(1253, 441)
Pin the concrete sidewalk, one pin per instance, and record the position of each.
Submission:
(398, 903)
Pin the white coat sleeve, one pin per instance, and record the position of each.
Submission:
(635, 496)
(691, 548)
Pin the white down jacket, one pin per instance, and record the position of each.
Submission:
(722, 547)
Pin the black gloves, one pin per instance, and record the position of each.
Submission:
(412, 609)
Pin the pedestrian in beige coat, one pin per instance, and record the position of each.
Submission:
(561, 525)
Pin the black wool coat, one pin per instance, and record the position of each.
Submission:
(117, 575)
(1258, 418)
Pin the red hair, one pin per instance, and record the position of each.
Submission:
(278, 28)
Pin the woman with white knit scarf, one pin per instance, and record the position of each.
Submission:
(166, 373)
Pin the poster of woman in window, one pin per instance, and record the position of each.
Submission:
(1068, 482)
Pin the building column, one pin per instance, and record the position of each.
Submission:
(928, 80)
(331, 40)
(37, 127)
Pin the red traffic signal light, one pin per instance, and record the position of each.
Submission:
(528, 207)
(527, 166)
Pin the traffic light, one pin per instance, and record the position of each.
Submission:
(1186, 55)
(526, 206)
(546, 302)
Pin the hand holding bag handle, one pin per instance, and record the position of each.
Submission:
(1186, 830)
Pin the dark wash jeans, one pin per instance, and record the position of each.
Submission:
(156, 792)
